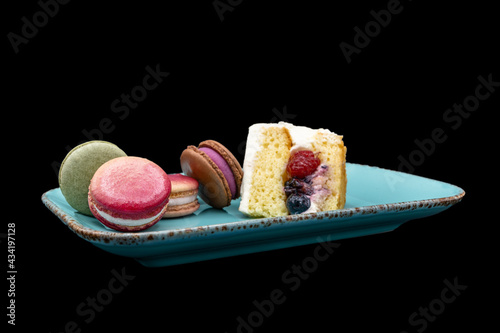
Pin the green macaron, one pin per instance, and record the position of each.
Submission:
(78, 168)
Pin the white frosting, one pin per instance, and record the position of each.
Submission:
(127, 222)
(182, 200)
(302, 139)
(252, 148)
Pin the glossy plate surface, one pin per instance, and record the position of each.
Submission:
(378, 200)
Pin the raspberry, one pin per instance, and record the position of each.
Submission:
(302, 164)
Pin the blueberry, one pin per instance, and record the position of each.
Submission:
(295, 185)
(289, 187)
(298, 203)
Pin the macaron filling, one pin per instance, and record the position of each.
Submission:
(182, 200)
(224, 167)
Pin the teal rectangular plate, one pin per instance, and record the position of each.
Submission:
(377, 200)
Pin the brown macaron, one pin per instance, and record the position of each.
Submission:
(216, 169)
(184, 196)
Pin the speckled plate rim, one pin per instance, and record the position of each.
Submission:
(159, 237)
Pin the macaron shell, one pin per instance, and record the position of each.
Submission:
(230, 160)
(131, 186)
(213, 188)
(182, 183)
(223, 167)
(181, 210)
(78, 168)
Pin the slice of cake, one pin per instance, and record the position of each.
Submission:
(291, 170)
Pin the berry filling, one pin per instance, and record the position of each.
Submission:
(302, 164)
(305, 189)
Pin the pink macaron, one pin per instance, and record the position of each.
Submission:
(184, 197)
(129, 193)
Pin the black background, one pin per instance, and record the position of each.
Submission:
(261, 63)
